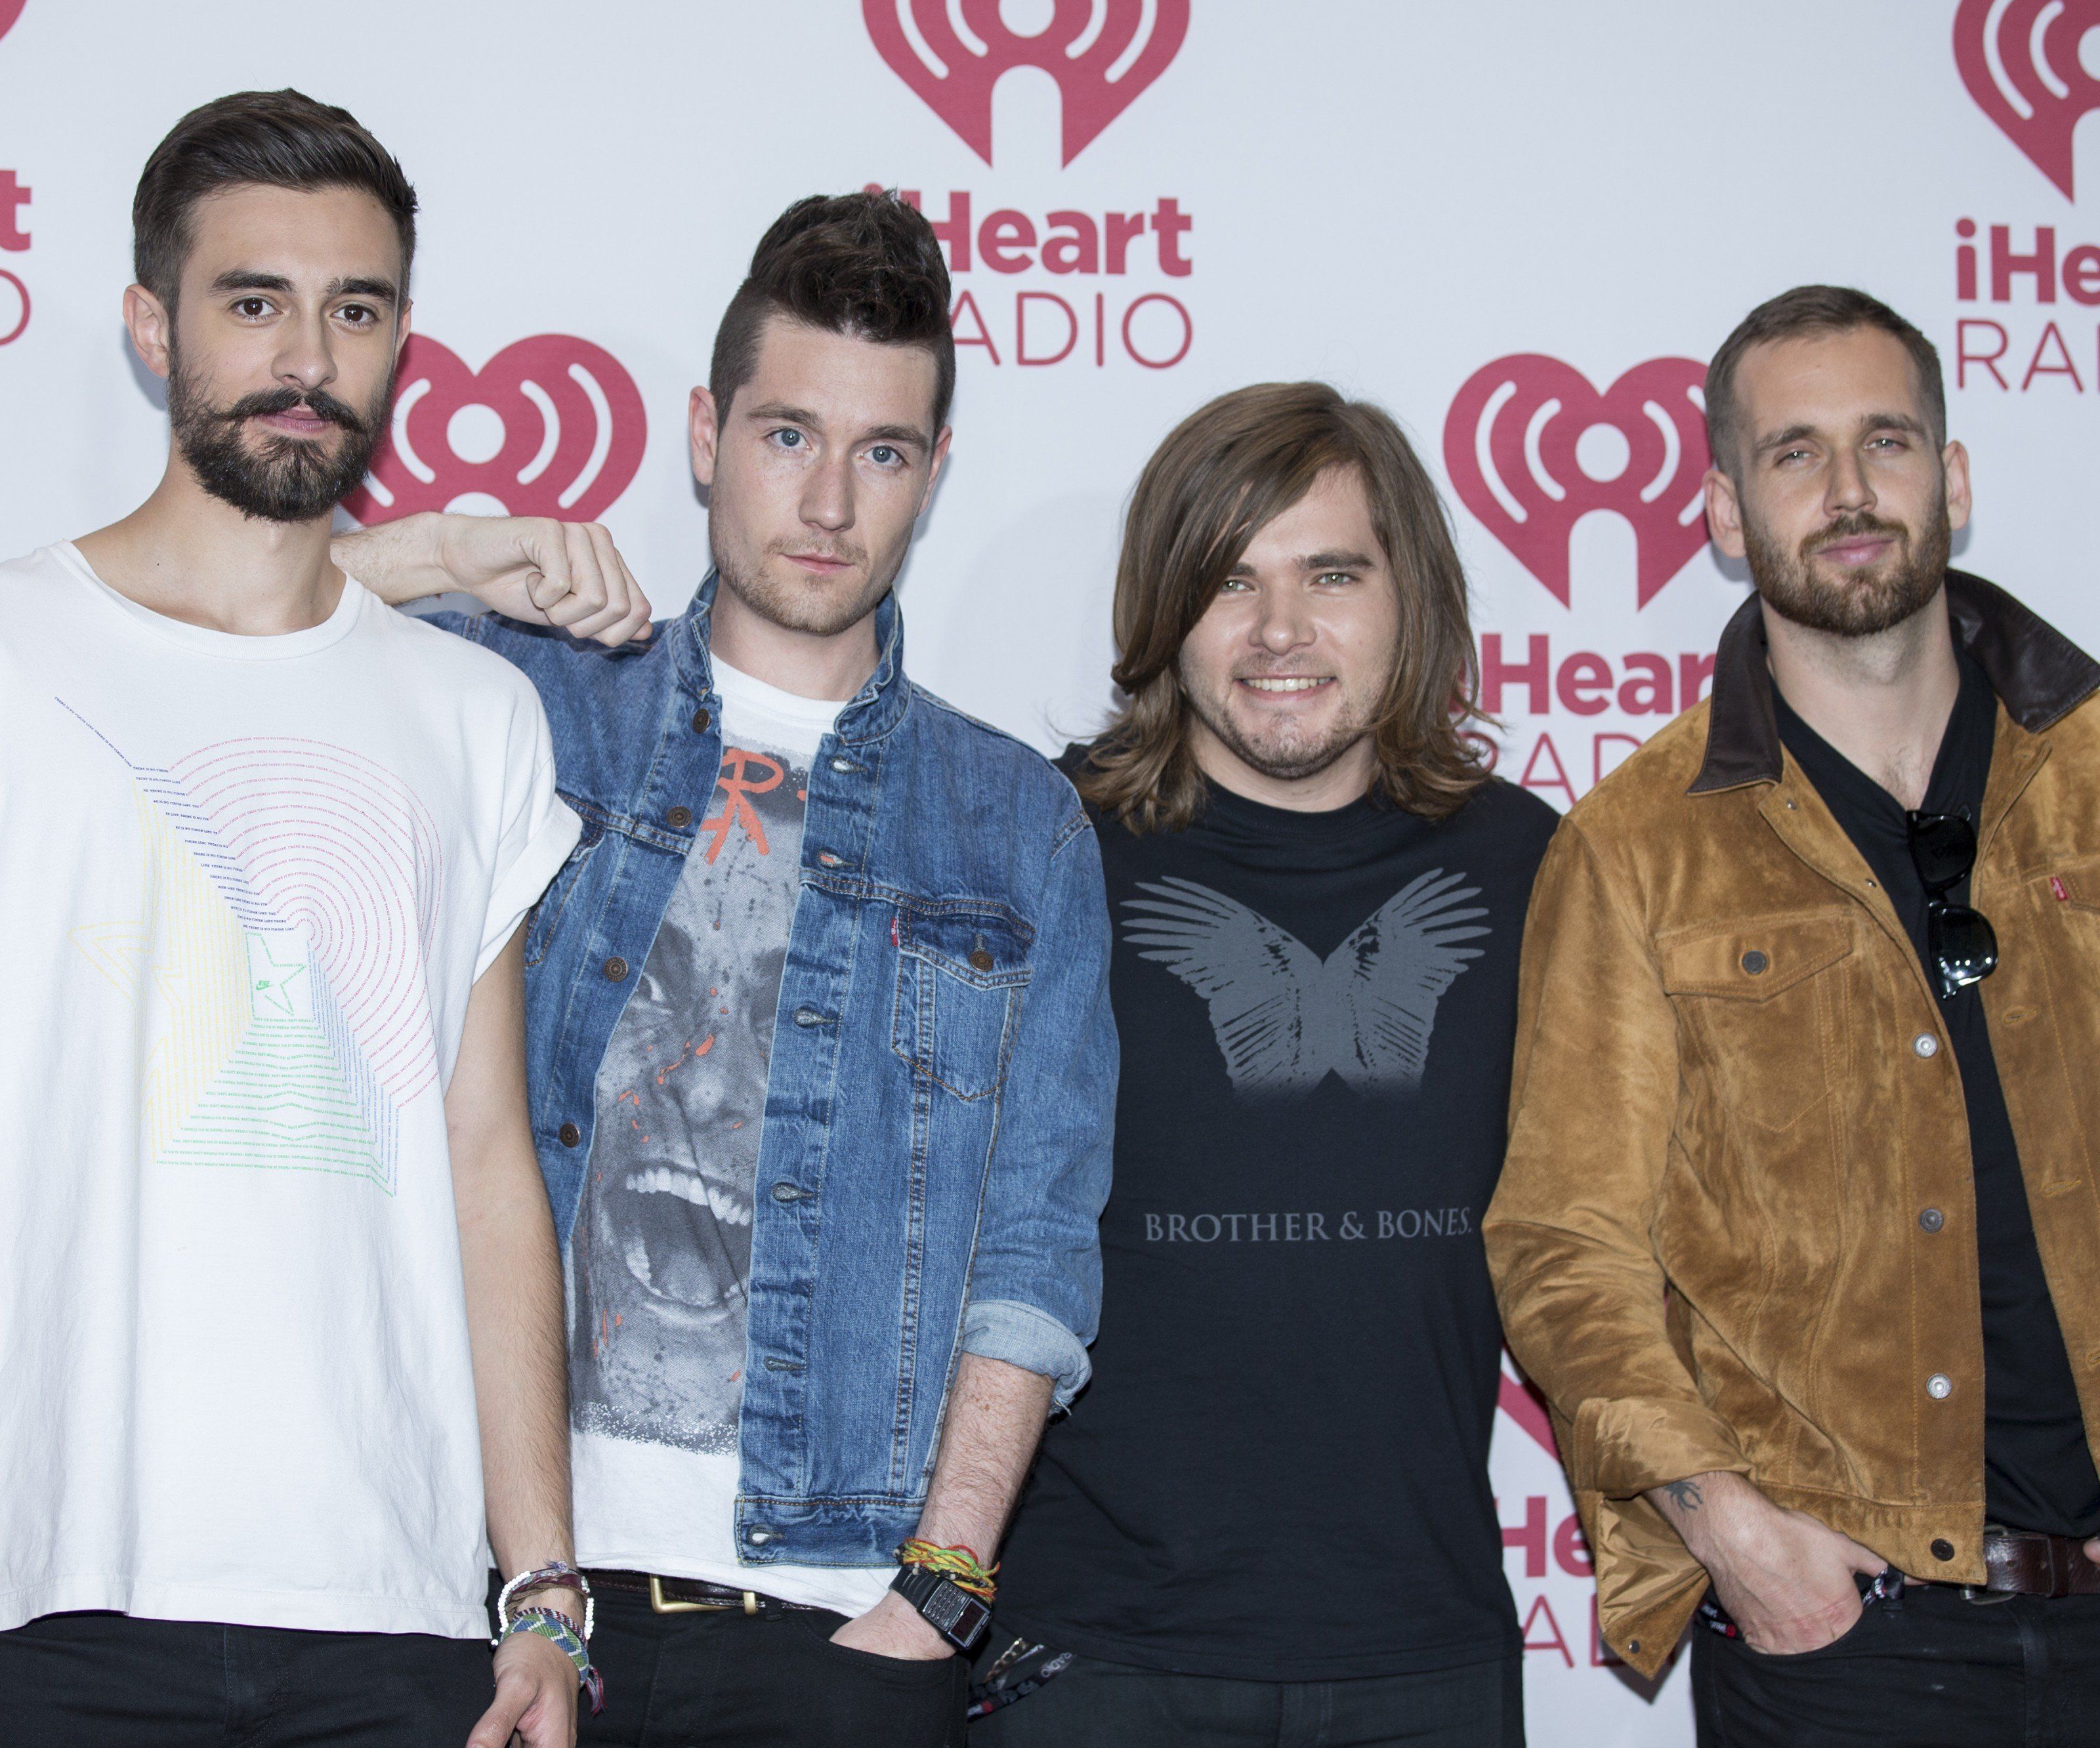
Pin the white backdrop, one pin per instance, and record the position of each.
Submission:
(1484, 213)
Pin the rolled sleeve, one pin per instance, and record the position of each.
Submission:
(1036, 1341)
(1035, 1279)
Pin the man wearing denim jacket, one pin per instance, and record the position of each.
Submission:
(823, 1068)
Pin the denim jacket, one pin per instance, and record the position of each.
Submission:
(936, 1141)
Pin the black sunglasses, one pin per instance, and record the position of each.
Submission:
(1960, 939)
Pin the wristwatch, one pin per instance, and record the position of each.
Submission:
(952, 1611)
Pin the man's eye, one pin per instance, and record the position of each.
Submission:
(358, 315)
(788, 438)
(1234, 584)
(882, 455)
(252, 306)
(1337, 576)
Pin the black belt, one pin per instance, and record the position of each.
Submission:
(692, 1596)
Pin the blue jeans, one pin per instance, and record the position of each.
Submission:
(1095, 1705)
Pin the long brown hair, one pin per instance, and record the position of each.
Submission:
(1223, 472)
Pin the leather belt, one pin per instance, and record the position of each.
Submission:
(690, 1596)
(2029, 1563)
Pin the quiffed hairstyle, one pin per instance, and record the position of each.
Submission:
(866, 265)
(279, 139)
(1225, 471)
(1809, 309)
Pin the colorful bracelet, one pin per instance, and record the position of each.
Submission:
(557, 1574)
(557, 1629)
(960, 1565)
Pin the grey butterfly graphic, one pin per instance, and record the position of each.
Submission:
(1284, 1017)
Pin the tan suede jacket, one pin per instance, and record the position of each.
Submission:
(1734, 1101)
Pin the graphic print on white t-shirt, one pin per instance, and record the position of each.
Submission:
(293, 886)
(660, 1263)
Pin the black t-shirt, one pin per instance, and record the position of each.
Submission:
(2038, 1472)
(1279, 1472)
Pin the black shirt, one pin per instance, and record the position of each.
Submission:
(2038, 1469)
(1279, 1472)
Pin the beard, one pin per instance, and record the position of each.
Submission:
(820, 609)
(1287, 751)
(1867, 601)
(284, 479)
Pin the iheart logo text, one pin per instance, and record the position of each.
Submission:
(1531, 448)
(1099, 51)
(9, 10)
(551, 426)
(2031, 65)
(1521, 1400)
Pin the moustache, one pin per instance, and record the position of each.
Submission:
(1853, 527)
(317, 401)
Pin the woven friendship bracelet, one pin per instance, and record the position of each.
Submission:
(557, 1574)
(556, 1628)
(959, 1564)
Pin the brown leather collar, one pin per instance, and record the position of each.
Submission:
(2038, 675)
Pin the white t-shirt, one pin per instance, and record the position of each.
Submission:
(659, 1262)
(249, 884)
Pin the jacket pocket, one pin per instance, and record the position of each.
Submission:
(961, 974)
(1761, 999)
(544, 918)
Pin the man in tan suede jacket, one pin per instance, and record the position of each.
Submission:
(1799, 1230)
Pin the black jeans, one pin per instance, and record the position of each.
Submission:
(96, 1680)
(1923, 1670)
(1095, 1705)
(735, 1680)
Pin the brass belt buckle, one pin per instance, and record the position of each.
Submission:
(663, 1605)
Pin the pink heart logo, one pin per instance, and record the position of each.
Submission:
(1099, 51)
(552, 426)
(2022, 61)
(1524, 1404)
(1531, 448)
(9, 10)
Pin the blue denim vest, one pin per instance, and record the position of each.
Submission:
(937, 1120)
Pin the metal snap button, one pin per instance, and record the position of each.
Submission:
(679, 818)
(808, 1016)
(828, 859)
(784, 1191)
(615, 968)
(701, 719)
(1925, 1044)
(1931, 1219)
(980, 959)
(758, 1536)
(1939, 1386)
(1943, 1549)
(568, 1134)
(1633, 1648)
(844, 766)
(1755, 962)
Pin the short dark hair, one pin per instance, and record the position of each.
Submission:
(1813, 309)
(867, 265)
(276, 140)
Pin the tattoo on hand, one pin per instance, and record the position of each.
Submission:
(1684, 1494)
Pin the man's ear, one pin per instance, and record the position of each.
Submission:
(1724, 512)
(152, 326)
(933, 472)
(1954, 460)
(401, 329)
(706, 430)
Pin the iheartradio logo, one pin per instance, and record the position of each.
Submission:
(1102, 54)
(9, 10)
(2033, 67)
(551, 426)
(1520, 1398)
(1533, 448)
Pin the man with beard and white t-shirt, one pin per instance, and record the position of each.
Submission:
(280, 1327)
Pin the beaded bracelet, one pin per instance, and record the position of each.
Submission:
(557, 1629)
(557, 1574)
(959, 1564)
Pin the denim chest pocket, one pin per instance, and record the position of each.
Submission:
(961, 975)
(1764, 998)
(544, 918)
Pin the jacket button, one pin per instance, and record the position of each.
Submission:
(1943, 1549)
(615, 970)
(701, 719)
(679, 818)
(758, 1536)
(808, 1016)
(843, 765)
(1925, 1044)
(1754, 963)
(1633, 1648)
(1931, 1219)
(785, 1191)
(981, 960)
(828, 859)
(568, 1134)
(1939, 1386)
